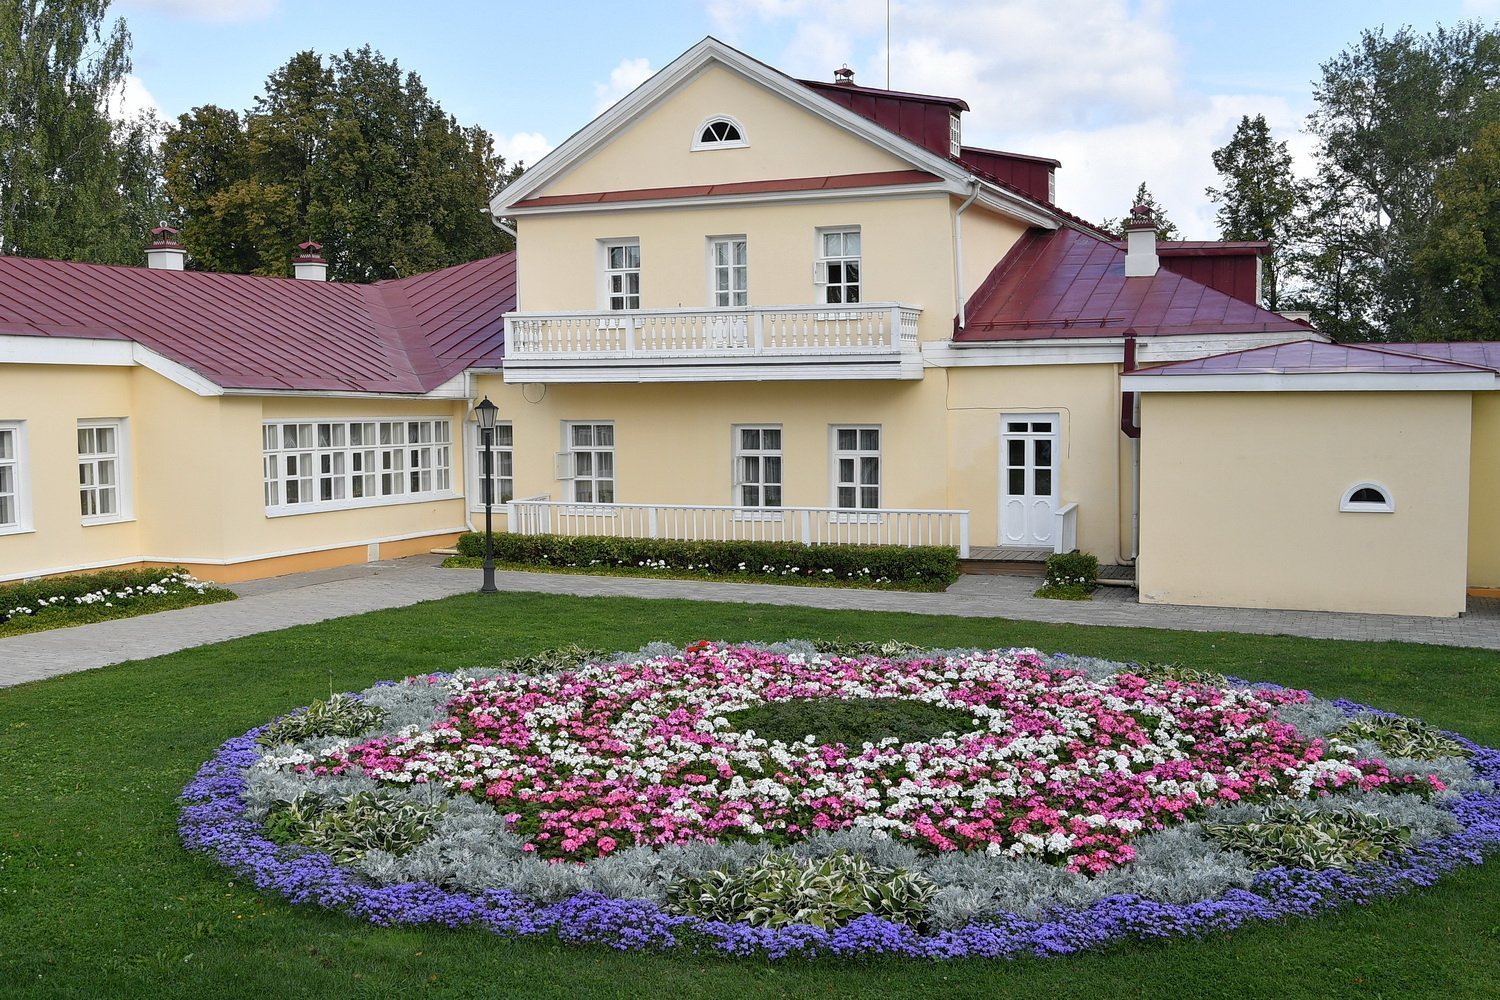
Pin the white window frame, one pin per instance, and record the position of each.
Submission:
(738, 481)
(824, 261)
(383, 470)
(856, 454)
(955, 136)
(120, 459)
(607, 274)
(20, 469)
(568, 462)
(505, 456)
(1348, 504)
(699, 145)
(729, 294)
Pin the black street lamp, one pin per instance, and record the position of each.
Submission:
(485, 413)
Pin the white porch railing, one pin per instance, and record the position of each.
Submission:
(858, 329)
(683, 522)
(1065, 537)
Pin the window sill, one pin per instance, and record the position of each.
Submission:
(325, 506)
(16, 529)
(89, 522)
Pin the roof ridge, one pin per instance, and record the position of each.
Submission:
(1386, 349)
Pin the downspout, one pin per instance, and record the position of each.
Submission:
(1131, 428)
(958, 250)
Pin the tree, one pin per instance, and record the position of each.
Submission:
(1260, 199)
(1461, 260)
(1166, 229)
(1393, 113)
(74, 185)
(346, 151)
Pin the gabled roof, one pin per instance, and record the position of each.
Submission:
(1065, 283)
(959, 179)
(252, 333)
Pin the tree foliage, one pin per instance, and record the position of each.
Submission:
(74, 185)
(347, 151)
(1393, 113)
(1166, 229)
(1261, 198)
(1460, 261)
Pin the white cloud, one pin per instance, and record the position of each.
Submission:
(521, 147)
(208, 10)
(625, 77)
(130, 99)
(1170, 152)
(1481, 8)
(1094, 83)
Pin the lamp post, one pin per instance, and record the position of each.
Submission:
(485, 413)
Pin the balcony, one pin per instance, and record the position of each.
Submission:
(876, 340)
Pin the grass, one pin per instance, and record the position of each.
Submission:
(98, 900)
(850, 721)
(1065, 592)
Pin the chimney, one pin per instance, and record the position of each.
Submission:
(309, 264)
(844, 76)
(163, 252)
(1140, 244)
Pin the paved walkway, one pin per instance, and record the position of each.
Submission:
(300, 599)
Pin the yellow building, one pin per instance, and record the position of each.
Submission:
(743, 305)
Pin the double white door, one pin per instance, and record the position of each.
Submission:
(1028, 479)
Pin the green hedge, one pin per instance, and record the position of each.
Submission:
(1073, 569)
(926, 565)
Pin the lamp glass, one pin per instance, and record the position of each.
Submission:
(485, 412)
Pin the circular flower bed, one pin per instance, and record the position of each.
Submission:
(939, 803)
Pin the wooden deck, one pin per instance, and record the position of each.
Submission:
(995, 560)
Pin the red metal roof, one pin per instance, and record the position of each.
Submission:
(1315, 357)
(1069, 284)
(245, 332)
(880, 178)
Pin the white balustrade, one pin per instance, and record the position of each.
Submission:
(1065, 538)
(687, 522)
(857, 329)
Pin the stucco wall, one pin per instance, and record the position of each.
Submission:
(1484, 493)
(1240, 500)
(1085, 399)
(784, 141)
(906, 247)
(194, 477)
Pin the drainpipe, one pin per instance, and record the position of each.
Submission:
(958, 248)
(1131, 428)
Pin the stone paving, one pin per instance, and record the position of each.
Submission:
(300, 599)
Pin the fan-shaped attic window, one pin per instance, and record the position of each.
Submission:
(719, 132)
(1369, 498)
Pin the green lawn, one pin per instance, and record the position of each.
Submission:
(98, 900)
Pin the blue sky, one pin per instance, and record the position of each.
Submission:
(1120, 90)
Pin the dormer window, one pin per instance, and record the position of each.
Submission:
(955, 135)
(719, 132)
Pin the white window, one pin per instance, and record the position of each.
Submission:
(622, 274)
(757, 466)
(14, 512)
(728, 270)
(337, 464)
(955, 135)
(837, 267)
(103, 492)
(1368, 498)
(502, 475)
(719, 132)
(856, 468)
(590, 461)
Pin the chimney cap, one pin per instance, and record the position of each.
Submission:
(1141, 217)
(164, 235)
(844, 76)
(310, 250)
